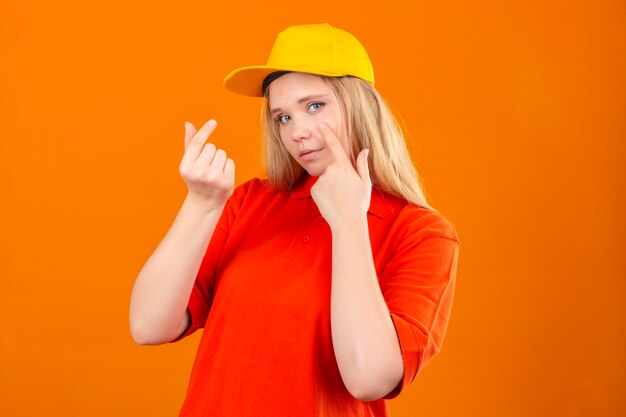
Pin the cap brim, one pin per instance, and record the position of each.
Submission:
(248, 81)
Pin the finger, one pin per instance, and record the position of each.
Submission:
(205, 159)
(190, 130)
(219, 161)
(198, 140)
(362, 166)
(203, 134)
(332, 142)
(229, 169)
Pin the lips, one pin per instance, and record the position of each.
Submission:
(310, 152)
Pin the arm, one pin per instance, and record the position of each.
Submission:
(364, 338)
(162, 288)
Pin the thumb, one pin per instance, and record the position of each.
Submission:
(190, 131)
(362, 166)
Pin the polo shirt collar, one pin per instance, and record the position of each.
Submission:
(381, 203)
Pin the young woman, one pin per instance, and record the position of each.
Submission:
(324, 289)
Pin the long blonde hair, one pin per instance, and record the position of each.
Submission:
(370, 124)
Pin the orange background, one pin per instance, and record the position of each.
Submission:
(516, 112)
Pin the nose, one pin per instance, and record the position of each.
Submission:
(300, 129)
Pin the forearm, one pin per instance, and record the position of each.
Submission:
(364, 337)
(161, 292)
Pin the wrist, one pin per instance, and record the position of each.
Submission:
(352, 225)
(202, 204)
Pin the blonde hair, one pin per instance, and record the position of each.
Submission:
(370, 124)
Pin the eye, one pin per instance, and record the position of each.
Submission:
(315, 106)
(283, 118)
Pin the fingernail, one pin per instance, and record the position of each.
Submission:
(213, 122)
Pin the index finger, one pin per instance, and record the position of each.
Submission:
(201, 135)
(332, 141)
(195, 145)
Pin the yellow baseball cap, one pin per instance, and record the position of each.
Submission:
(316, 49)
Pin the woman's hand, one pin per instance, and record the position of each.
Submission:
(208, 173)
(342, 194)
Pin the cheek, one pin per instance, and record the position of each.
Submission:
(346, 147)
(342, 133)
(282, 135)
(286, 142)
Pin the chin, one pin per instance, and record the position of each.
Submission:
(314, 170)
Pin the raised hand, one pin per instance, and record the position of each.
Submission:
(208, 173)
(342, 194)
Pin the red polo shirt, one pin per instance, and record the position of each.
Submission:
(262, 296)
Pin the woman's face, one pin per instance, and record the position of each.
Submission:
(300, 102)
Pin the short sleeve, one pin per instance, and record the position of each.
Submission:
(201, 295)
(418, 286)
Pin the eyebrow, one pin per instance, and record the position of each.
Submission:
(302, 100)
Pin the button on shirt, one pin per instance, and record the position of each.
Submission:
(262, 295)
